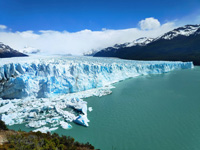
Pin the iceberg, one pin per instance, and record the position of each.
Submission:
(6, 107)
(82, 120)
(36, 124)
(8, 119)
(65, 125)
(32, 115)
(90, 109)
(12, 118)
(45, 129)
(47, 90)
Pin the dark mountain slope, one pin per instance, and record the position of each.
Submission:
(6, 51)
(171, 46)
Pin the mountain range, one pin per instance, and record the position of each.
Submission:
(6, 51)
(180, 44)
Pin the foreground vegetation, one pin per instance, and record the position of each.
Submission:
(20, 140)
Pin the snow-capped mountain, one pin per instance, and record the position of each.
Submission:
(6, 51)
(138, 42)
(182, 43)
(91, 52)
(30, 50)
(186, 30)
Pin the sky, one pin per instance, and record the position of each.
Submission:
(77, 26)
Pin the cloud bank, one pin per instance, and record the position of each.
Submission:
(149, 24)
(2, 27)
(56, 42)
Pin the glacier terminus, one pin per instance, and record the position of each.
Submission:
(43, 91)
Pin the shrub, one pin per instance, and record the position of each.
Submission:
(3, 126)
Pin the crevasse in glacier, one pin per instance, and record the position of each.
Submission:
(35, 87)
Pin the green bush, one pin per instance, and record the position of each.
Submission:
(3, 126)
(18, 140)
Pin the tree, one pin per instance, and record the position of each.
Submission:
(3, 126)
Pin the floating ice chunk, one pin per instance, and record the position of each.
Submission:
(45, 129)
(67, 115)
(104, 92)
(12, 118)
(7, 107)
(32, 115)
(36, 124)
(53, 129)
(84, 108)
(82, 120)
(65, 125)
(53, 120)
(90, 109)
(8, 119)
(81, 107)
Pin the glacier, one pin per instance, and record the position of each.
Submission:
(43, 90)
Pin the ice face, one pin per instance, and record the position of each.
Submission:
(52, 76)
(50, 90)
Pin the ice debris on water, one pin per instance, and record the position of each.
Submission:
(45, 129)
(82, 120)
(65, 125)
(37, 124)
(90, 109)
(42, 91)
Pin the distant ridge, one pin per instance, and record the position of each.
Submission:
(181, 44)
(6, 51)
(141, 41)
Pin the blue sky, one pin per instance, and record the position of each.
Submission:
(76, 15)
(77, 26)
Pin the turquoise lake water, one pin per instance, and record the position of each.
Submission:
(154, 112)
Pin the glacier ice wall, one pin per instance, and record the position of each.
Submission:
(51, 76)
(40, 91)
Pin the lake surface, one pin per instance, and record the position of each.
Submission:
(154, 112)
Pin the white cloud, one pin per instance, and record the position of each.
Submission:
(149, 24)
(2, 27)
(76, 43)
